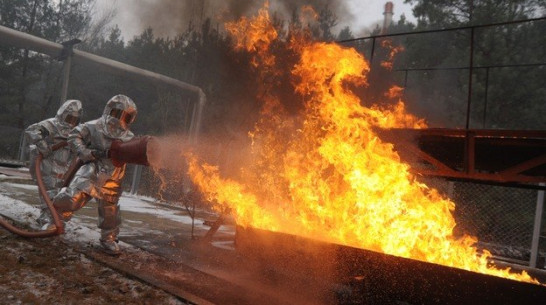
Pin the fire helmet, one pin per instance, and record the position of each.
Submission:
(70, 113)
(120, 111)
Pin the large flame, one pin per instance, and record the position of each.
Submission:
(326, 174)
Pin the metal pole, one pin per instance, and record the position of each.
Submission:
(470, 71)
(485, 97)
(66, 76)
(371, 53)
(137, 172)
(66, 55)
(536, 229)
(23, 147)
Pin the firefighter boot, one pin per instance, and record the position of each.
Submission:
(109, 221)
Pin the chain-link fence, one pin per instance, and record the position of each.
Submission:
(502, 218)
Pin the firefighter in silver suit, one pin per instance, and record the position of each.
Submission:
(99, 178)
(42, 136)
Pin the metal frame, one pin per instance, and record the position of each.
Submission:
(413, 145)
(65, 52)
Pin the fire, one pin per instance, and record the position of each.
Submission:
(325, 174)
(393, 50)
(256, 35)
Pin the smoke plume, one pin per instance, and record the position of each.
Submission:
(171, 17)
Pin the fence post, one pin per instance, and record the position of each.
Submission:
(536, 229)
(471, 70)
(372, 51)
(137, 172)
(23, 147)
(485, 97)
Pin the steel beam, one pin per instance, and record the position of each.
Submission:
(359, 276)
(500, 156)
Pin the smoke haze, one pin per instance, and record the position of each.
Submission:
(171, 17)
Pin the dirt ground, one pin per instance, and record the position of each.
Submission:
(47, 271)
(61, 269)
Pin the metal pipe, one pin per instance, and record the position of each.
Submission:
(26, 41)
(118, 68)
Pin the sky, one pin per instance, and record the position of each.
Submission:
(169, 17)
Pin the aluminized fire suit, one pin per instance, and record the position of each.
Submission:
(41, 137)
(98, 178)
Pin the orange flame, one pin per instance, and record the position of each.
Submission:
(393, 50)
(326, 174)
(255, 35)
(308, 14)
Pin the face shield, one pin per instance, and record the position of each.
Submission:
(120, 112)
(125, 117)
(70, 113)
(72, 119)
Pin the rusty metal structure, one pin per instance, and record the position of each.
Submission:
(515, 157)
(495, 156)
(345, 275)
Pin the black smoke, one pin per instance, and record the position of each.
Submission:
(171, 17)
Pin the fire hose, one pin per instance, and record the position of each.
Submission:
(136, 151)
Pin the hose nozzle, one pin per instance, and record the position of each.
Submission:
(139, 150)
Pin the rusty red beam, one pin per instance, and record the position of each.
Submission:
(500, 156)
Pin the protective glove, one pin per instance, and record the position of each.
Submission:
(86, 155)
(100, 154)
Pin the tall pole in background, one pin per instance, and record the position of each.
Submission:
(66, 56)
(387, 20)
